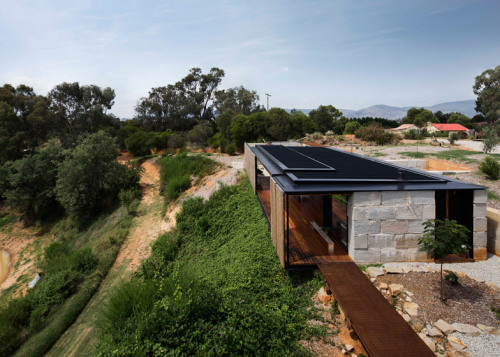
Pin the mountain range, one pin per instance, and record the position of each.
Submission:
(465, 107)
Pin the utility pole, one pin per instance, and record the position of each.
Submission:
(268, 95)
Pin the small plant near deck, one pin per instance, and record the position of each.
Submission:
(335, 308)
(443, 237)
(451, 277)
(490, 168)
(496, 310)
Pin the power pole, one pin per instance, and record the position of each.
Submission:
(268, 95)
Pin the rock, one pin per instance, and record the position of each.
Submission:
(456, 354)
(331, 326)
(409, 299)
(409, 293)
(478, 279)
(424, 331)
(445, 327)
(393, 270)
(456, 344)
(431, 344)
(383, 286)
(417, 323)
(407, 269)
(495, 332)
(434, 332)
(374, 272)
(432, 270)
(396, 289)
(485, 328)
(410, 308)
(466, 329)
(349, 348)
(373, 280)
(492, 286)
(324, 297)
(407, 318)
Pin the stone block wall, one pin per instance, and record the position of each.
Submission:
(385, 226)
(480, 235)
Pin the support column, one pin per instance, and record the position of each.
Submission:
(327, 211)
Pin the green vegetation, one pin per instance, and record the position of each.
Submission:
(414, 154)
(496, 310)
(492, 195)
(212, 287)
(443, 237)
(490, 138)
(364, 267)
(490, 167)
(73, 268)
(6, 219)
(451, 277)
(487, 89)
(176, 172)
(375, 133)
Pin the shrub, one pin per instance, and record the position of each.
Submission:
(490, 167)
(176, 185)
(127, 197)
(451, 277)
(453, 138)
(490, 138)
(375, 133)
(138, 144)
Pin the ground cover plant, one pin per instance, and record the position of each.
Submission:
(212, 287)
(73, 267)
(176, 172)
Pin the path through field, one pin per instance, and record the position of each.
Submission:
(81, 337)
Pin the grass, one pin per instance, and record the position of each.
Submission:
(212, 287)
(364, 267)
(176, 172)
(492, 195)
(47, 311)
(5, 220)
(414, 155)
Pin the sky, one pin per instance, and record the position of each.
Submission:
(351, 54)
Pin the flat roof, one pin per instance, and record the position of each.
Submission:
(309, 169)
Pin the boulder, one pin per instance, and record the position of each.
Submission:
(393, 270)
(349, 348)
(396, 289)
(456, 344)
(383, 286)
(485, 328)
(406, 317)
(410, 308)
(466, 329)
(434, 332)
(445, 327)
(374, 272)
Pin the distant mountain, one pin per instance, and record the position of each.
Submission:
(395, 113)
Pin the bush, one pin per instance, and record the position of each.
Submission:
(375, 133)
(176, 185)
(138, 144)
(453, 138)
(490, 167)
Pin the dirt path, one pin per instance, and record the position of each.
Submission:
(81, 337)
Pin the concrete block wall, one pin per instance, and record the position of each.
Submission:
(385, 226)
(480, 235)
(493, 216)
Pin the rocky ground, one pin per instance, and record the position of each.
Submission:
(461, 325)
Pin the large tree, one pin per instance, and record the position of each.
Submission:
(182, 105)
(487, 89)
(324, 117)
(238, 99)
(82, 109)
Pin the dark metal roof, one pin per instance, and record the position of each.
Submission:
(320, 169)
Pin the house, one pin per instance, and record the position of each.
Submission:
(325, 205)
(449, 128)
(404, 128)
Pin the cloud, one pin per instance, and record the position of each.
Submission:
(284, 69)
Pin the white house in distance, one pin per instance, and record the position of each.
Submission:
(449, 128)
(404, 128)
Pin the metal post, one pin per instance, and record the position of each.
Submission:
(268, 95)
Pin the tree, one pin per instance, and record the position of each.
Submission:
(324, 117)
(490, 138)
(82, 109)
(223, 122)
(90, 178)
(458, 118)
(138, 144)
(351, 127)
(443, 237)
(32, 182)
(279, 124)
(238, 99)
(301, 124)
(487, 89)
(181, 105)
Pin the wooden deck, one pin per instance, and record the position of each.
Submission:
(382, 331)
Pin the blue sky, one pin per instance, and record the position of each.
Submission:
(351, 54)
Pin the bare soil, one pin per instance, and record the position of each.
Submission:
(469, 302)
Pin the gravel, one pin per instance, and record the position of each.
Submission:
(485, 270)
(480, 346)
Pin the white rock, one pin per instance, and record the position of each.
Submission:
(445, 327)
(492, 286)
(431, 344)
(373, 280)
(434, 332)
(409, 299)
(410, 308)
(407, 317)
(349, 348)
(478, 279)
(456, 344)
(396, 289)
(424, 331)
(409, 293)
(485, 328)
(466, 329)
(407, 269)
(393, 270)
(374, 272)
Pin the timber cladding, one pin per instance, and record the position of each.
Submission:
(250, 166)
(278, 220)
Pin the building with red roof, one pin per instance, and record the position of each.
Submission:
(447, 128)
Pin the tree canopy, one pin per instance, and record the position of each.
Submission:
(324, 117)
(487, 89)
(237, 99)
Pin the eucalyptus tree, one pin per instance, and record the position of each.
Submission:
(487, 89)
